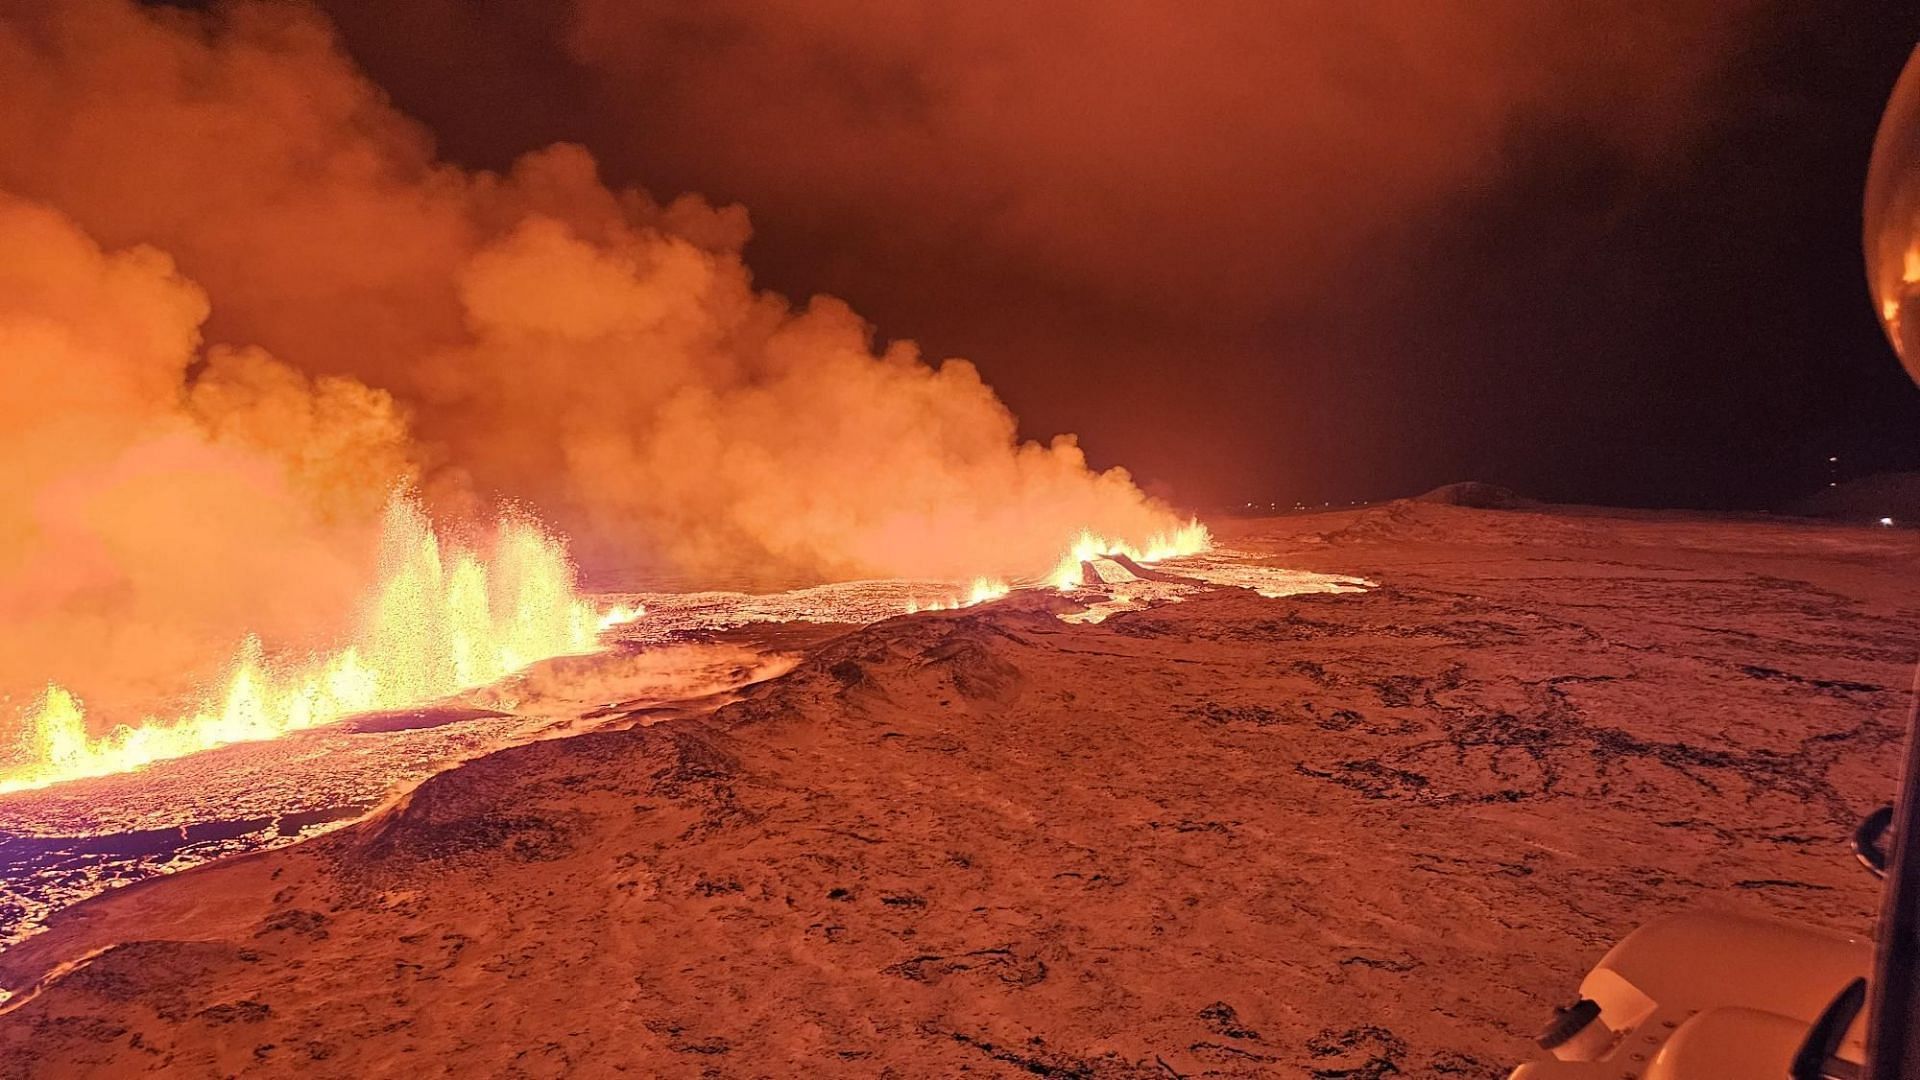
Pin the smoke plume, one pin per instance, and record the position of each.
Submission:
(241, 299)
(149, 519)
(1279, 248)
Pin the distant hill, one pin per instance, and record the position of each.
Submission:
(1870, 498)
(1475, 495)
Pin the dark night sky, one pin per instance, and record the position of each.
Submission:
(1596, 255)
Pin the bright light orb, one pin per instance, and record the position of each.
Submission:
(1891, 221)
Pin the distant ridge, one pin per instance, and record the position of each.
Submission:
(1893, 495)
(1475, 495)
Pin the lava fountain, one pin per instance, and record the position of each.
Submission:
(981, 591)
(1192, 538)
(441, 618)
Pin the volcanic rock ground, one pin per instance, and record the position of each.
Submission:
(66, 843)
(1351, 835)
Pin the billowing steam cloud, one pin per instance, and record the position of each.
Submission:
(240, 299)
(1267, 222)
(145, 522)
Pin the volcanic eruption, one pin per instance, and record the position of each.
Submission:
(244, 302)
(472, 598)
(440, 619)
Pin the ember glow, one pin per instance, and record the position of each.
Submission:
(441, 619)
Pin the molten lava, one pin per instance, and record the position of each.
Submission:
(440, 619)
(981, 591)
(1193, 538)
(1190, 539)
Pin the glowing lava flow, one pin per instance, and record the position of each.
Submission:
(1190, 539)
(440, 620)
(620, 615)
(983, 590)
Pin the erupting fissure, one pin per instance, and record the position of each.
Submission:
(981, 591)
(440, 619)
(1192, 538)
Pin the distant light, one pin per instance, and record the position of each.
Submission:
(1832, 459)
(1886, 521)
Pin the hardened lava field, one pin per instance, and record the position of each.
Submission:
(1358, 833)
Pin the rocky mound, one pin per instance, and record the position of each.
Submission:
(1475, 496)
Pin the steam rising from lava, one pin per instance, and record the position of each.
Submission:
(240, 300)
(158, 502)
(594, 352)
